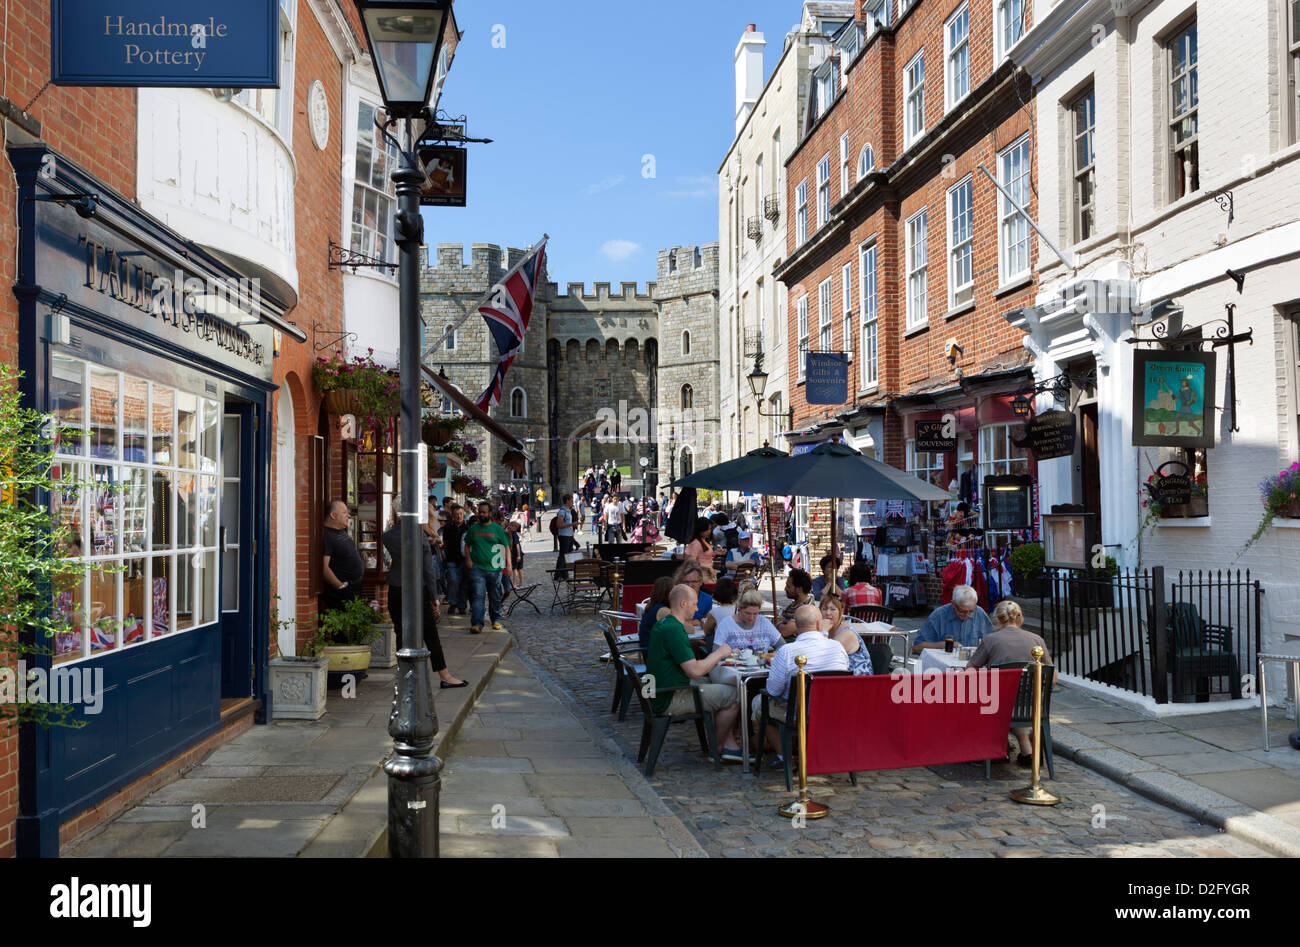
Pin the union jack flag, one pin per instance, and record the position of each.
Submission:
(507, 310)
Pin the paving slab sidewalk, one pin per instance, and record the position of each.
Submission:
(297, 788)
(530, 775)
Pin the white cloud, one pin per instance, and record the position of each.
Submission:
(605, 185)
(618, 250)
(694, 188)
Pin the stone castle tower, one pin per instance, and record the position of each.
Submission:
(589, 386)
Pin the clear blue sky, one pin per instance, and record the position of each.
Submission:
(579, 94)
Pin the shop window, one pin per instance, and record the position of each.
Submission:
(141, 463)
(371, 492)
(926, 465)
(999, 455)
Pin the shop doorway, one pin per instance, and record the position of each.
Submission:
(1087, 477)
(238, 543)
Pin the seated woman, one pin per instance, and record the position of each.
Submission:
(655, 609)
(832, 607)
(1009, 643)
(699, 550)
(724, 606)
(748, 628)
(690, 573)
(860, 591)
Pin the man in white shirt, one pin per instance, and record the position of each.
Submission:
(823, 653)
(613, 521)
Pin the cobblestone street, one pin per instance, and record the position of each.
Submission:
(936, 811)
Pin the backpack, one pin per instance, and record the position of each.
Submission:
(732, 535)
(555, 525)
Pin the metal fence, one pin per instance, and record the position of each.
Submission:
(1183, 639)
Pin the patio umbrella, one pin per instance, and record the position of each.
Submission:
(837, 470)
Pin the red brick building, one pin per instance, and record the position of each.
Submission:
(190, 610)
(902, 251)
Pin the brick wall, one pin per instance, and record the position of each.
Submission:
(96, 129)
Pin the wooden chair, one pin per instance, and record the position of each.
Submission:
(585, 586)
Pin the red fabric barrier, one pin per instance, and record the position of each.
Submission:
(632, 596)
(897, 721)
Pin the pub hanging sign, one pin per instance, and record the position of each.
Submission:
(1051, 434)
(1173, 399)
(201, 44)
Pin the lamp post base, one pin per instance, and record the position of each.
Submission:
(808, 810)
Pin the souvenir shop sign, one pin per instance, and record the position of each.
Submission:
(930, 437)
(1051, 434)
(1173, 399)
(198, 44)
(828, 378)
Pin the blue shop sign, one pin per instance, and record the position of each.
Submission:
(201, 44)
(828, 378)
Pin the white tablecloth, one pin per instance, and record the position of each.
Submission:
(936, 659)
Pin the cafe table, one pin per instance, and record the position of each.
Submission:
(734, 671)
(936, 659)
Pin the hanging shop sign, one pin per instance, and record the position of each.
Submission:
(828, 378)
(202, 44)
(1173, 399)
(930, 437)
(1008, 502)
(1172, 488)
(444, 176)
(1051, 434)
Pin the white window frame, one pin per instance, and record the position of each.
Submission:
(825, 317)
(846, 289)
(1178, 185)
(914, 99)
(961, 243)
(870, 314)
(1291, 84)
(844, 165)
(801, 213)
(823, 190)
(956, 57)
(1008, 27)
(380, 244)
(523, 395)
(801, 307)
(917, 262)
(866, 161)
(1015, 246)
(925, 464)
(1084, 158)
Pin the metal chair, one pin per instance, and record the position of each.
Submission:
(654, 726)
(786, 727)
(1199, 651)
(629, 665)
(870, 613)
(1022, 715)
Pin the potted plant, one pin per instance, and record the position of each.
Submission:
(357, 386)
(1095, 588)
(344, 635)
(1028, 578)
(1280, 496)
(298, 682)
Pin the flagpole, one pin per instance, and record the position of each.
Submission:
(488, 295)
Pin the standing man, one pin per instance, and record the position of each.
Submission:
(453, 545)
(613, 520)
(487, 552)
(342, 567)
(564, 519)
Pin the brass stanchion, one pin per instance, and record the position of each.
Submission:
(1034, 794)
(616, 600)
(803, 806)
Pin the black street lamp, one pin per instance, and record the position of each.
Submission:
(758, 385)
(404, 39)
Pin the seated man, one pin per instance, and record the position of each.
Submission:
(744, 552)
(860, 591)
(962, 620)
(670, 662)
(1011, 644)
(823, 653)
(798, 589)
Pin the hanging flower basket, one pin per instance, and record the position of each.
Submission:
(340, 401)
(359, 387)
(438, 430)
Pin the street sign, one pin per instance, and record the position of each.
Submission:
(200, 44)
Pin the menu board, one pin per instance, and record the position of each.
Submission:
(1051, 434)
(1008, 502)
(1067, 540)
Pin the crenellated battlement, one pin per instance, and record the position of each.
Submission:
(676, 262)
(602, 291)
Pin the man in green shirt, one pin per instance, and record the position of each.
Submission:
(670, 662)
(486, 549)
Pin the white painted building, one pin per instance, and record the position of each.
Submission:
(1167, 155)
(752, 222)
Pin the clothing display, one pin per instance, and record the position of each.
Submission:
(988, 572)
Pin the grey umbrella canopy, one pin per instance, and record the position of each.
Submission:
(835, 470)
(722, 476)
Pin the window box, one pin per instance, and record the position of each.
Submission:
(1197, 507)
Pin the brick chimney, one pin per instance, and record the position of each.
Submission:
(749, 73)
